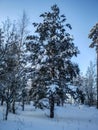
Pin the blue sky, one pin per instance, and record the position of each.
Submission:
(81, 14)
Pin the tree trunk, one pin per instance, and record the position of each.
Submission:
(62, 102)
(97, 75)
(2, 101)
(58, 103)
(13, 107)
(23, 103)
(7, 110)
(51, 106)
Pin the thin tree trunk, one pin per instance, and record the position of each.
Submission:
(2, 101)
(13, 107)
(51, 106)
(97, 75)
(23, 103)
(62, 102)
(7, 110)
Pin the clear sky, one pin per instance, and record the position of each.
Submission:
(81, 14)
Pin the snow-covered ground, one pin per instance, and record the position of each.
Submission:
(69, 117)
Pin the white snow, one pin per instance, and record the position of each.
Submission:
(44, 58)
(69, 117)
(52, 88)
(72, 87)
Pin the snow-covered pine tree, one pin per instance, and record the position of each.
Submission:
(54, 56)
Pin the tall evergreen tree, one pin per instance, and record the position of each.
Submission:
(56, 48)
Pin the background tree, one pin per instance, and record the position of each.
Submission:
(86, 85)
(10, 64)
(23, 27)
(79, 86)
(13, 64)
(23, 32)
(90, 84)
(94, 36)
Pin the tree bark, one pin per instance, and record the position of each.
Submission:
(7, 110)
(2, 101)
(51, 106)
(97, 75)
(13, 107)
(23, 103)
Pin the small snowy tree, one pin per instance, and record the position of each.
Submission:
(86, 85)
(90, 87)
